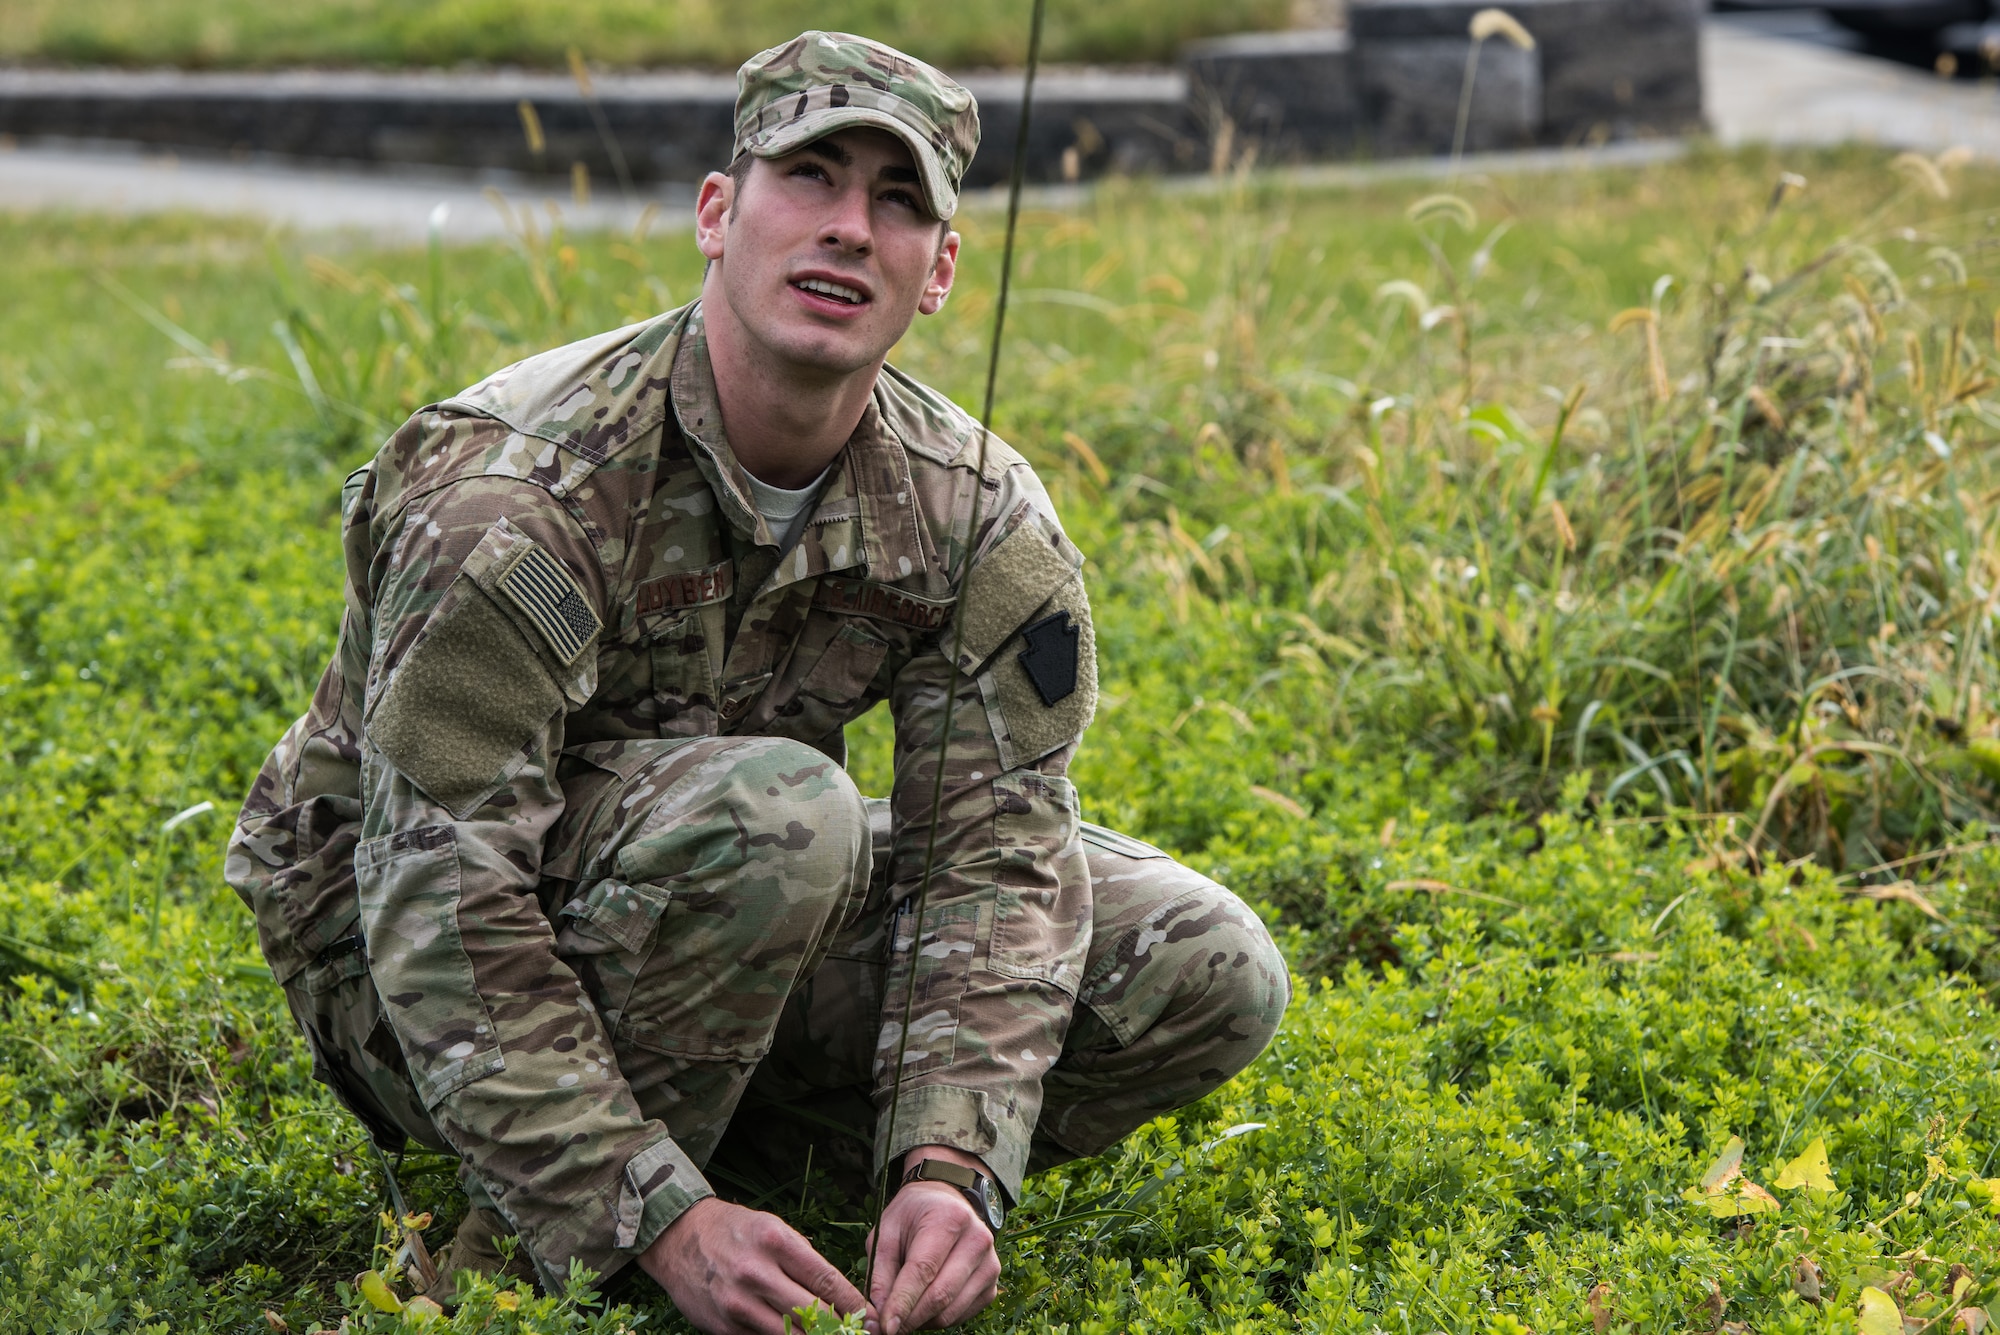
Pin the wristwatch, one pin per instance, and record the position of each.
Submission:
(973, 1185)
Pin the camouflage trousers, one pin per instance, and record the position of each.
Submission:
(745, 1006)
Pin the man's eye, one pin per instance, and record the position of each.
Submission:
(903, 197)
(812, 169)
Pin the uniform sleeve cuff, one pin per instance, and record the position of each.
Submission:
(661, 1183)
(959, 1119)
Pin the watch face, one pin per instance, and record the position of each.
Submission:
(996, 1215)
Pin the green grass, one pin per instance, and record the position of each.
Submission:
(619, 33)
(1382, 648)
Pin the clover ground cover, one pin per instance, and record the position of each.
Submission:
(1539, 992)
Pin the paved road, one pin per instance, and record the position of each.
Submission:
(1760, 87)
(386, 206)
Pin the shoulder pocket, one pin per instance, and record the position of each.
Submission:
(1016, 576)
(1041, 691)
(461, 708)
(511, 639)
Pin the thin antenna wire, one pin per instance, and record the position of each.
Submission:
(1017, 174)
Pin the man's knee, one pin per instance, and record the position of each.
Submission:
(800, 813)
(1184, 989)
(1172, 948)
(1249, 983)
(712, 876)
(1203, 968)
(760, 812)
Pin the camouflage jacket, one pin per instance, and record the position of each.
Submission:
(567, 553)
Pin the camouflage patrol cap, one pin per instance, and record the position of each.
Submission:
(820, 82)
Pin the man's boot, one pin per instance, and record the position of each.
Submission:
(476, 1247)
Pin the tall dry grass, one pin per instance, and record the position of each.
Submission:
(1723, 548)
(1672, 485)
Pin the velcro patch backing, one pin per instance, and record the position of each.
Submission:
(1011, 581)
(548, 595)
(464, 701)
(1026, 723)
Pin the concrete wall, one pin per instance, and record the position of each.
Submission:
(1388, 86)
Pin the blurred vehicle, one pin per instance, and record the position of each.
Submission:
(1923, 32)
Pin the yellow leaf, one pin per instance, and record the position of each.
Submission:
(1726, 1166)
(376, 1290)
(507, 1300)
(1740, 1197)
(1808, 1170)
(1753, 1199)
(422, 1310)
(1879, 1313)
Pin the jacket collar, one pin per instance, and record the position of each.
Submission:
(866, 515)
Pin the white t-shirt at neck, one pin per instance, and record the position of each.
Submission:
(785, 511)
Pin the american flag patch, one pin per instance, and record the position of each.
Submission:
(540, 587)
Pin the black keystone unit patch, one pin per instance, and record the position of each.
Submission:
(540, 587)
(1050, 658)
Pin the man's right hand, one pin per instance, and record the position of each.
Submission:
(733, 1271)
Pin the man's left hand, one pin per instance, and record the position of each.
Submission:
(936, 1265)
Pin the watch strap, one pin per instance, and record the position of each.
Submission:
(943, 1170)
(975, 1186)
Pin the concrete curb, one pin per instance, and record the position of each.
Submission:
(669, 127)
(1390, 90)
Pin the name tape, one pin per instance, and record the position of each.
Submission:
(686, 588)
(854, 597)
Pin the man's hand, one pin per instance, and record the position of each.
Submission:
(935, 1265)
(733, 1271)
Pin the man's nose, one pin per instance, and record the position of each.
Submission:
(851, 227)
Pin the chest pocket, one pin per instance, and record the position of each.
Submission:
(836, 688)
(682, 652)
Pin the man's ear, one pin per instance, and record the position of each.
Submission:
(711, 213)
(943, 270)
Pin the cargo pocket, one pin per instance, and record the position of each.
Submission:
(606, 934)
(354, 1052)
(1041, 917)
(409, 884)
(612, 915)
(677, 991)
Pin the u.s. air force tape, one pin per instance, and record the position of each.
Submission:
(549, 596)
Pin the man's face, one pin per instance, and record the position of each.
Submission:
(826, 255)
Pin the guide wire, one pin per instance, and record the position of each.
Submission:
(1017, 174)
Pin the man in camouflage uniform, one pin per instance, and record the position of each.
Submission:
(562, 872)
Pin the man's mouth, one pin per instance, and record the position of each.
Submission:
(833, 291)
